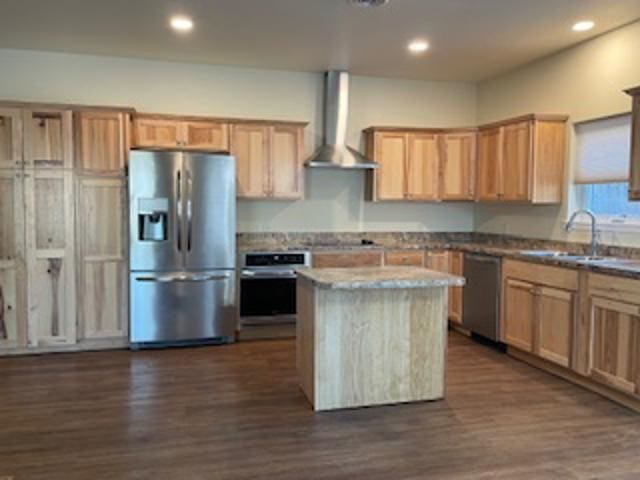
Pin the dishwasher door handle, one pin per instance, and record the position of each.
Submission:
(482, 258)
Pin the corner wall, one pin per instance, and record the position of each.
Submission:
(585, 82)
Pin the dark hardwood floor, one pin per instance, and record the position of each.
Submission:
(236, 412)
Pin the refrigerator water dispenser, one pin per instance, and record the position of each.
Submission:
(152, 219)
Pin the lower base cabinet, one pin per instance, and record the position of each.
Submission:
(539, 310)
(614, 315)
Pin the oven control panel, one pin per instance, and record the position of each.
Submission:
(279, 259)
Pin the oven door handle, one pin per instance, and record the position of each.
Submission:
(267, 275)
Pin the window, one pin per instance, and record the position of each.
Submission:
(602, 171)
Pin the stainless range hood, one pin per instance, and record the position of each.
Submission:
(335, 153)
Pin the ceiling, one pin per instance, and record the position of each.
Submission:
(470, 39)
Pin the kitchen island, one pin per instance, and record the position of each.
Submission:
(372, 336)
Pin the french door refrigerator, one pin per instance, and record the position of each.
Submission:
(182, 213)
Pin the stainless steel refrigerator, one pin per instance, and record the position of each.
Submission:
(182, 213)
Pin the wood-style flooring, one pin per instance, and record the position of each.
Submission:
(236, 412)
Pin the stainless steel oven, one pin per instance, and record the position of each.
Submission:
(268, 287)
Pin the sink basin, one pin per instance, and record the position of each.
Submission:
(567, 257)
(544, 253)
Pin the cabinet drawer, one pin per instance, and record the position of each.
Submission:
(404, 258)
(347, 259)
(564, 278)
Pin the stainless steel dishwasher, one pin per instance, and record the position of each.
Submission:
(482, 295)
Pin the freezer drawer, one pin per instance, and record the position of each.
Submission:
(182, 306)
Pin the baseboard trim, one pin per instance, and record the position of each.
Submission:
(572, 377)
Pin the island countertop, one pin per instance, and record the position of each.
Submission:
(379, 278)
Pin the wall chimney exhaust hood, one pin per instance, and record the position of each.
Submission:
(335, 153)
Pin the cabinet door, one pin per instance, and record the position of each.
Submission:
(102, 270)
(250, 146)
(516, 161)
(615, 344)
(50, 257)
(207, 136)
(102, 141)
(458, 166)
(48, 141)
(391, 155)
(286, 162)
(13, 304)
(438, 261)
(555, 313)
(410, 258)
(489, 170)
(519, 311)
(456, 267)
(10, 138)
(423, 167)
(157, 133)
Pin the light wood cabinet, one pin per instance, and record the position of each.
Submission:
(634, 173)
(489, 170)
(48, 138)
(408, 258)
(458, 165)
(421, 164)
(187, 133)
(268, 160)
(102, 280)
(422, 167)
(437, 260)
(102, 141)
(13, 302)
(522, 160)
(347, 259)
(10, 138)
(540, 310)
(614, 313)
(456, 267)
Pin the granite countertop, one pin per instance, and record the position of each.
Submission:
(378, 278)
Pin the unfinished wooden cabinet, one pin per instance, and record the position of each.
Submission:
(268, 160)
(48, 138)
(614, 310)
(347, 259)
(50, 257)
(458, 164)
(540, 309)
(13, 302)
(456, 267)
(522, 160)
(187, 133)
(102, 141)
(634, 174)
(408, 258)
(102, 280)
(10, 138)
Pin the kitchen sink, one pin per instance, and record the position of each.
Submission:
(568, 257)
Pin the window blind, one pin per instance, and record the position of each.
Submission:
(603, 150)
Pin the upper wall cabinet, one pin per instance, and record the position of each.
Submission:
(421, 164)
(187, 133)
(102, 141)
(634, 177)
(268, 160)
(10, 138)
(522, 160)
(48, 138)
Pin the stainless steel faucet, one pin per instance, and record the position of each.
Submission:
(594, 230)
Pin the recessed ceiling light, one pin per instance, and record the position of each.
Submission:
(181, 23)
(583, 26)
(418, 46)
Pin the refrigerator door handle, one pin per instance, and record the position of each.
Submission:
(184, 278)
(179, 209)
(189, 208)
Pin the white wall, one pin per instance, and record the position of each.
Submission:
(585, 82)
(334, 199)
